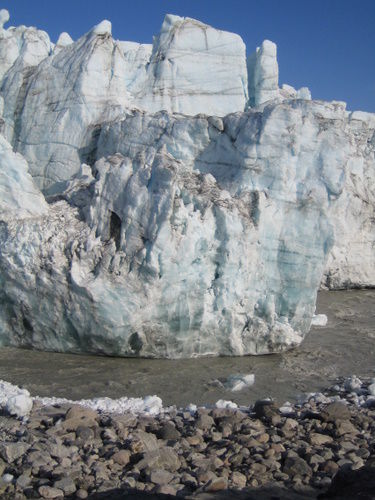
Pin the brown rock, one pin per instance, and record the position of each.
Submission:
(335, 411)
(48, 492)
(238, 480)
(78, 411)
(345, 427)
(121, 457)
(218, 484)
(205, 422)
(296, 466)
(318, 439)
(258, 468)
(73, 423)
(263, 438)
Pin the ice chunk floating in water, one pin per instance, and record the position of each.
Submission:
(192, 203)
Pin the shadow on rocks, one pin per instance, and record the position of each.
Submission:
(267, 493)
(130, 494)
(349, 484)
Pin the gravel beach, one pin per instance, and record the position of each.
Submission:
(323, 447)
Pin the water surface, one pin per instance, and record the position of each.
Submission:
(344, 347)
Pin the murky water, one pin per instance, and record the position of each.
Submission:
(344, 347)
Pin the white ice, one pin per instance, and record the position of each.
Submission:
(319, 320)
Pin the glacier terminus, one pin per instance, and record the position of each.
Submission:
(172, 199)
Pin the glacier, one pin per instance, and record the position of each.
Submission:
(170, 199)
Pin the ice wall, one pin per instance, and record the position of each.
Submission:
(172, 233)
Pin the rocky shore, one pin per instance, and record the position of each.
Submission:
(323, 447)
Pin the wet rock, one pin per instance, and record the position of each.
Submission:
(265, 409)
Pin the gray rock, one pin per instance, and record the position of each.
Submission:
(85, 433)
(66, 484)
(12, 451)
(23, 481)
(143, 441)
(163, 458)
(160, 476)
(81, 494)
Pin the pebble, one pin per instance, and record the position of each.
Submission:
(78, 452)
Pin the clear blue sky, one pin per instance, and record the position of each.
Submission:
(327, 45)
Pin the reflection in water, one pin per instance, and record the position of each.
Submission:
(344, 347)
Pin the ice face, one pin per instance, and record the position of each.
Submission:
(194, 69)
(351, 262)
(167, 234)
(176, 254)
(263, 72)
(191, 68)
(18, 193)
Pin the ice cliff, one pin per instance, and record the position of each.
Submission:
(190, 205)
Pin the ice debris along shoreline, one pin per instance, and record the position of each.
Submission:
(324, 445)
(142, 230)
(18, 402)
